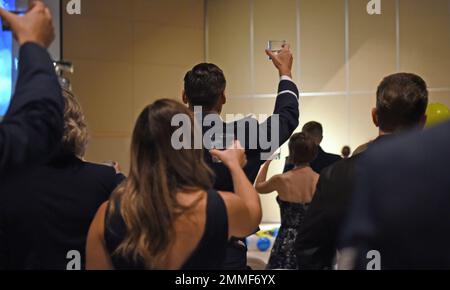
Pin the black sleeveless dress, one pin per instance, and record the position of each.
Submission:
(209, 253)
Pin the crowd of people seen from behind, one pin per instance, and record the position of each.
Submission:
(192, 208)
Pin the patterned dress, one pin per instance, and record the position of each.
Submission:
(283, 253)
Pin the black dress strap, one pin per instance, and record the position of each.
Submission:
(210, 252)
(115, 232)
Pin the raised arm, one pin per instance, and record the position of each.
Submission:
(263, 185)
(287, 101)
(33, 125)
(243, 207)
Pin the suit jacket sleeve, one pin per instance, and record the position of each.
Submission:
(33, 125)
(314, 246)
(287, 111)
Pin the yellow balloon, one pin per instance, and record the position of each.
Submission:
(437, 113)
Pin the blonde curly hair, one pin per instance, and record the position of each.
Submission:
(76, 136)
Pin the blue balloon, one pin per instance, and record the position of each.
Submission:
(275, 232)
(263, 244)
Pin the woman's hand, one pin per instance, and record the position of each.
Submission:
(233, 157)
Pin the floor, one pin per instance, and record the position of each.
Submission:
(258, 259)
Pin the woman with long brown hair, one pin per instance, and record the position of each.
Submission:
(166, 216)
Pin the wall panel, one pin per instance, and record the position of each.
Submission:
(322, 46)
(425, 40)
(372, 45)
(126, 55)
(273, 20)
(229, 43)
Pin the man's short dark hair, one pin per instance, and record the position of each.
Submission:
(204, 85)
(402, 100)
(314, 129)
(302, 149)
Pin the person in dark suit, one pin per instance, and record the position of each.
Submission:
(402, 214)
(33, 124)
(401, 104)
(46, 210)
(324, 159)
(205, 89)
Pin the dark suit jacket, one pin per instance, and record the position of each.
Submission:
(322, 161)
(287, 107)
(401, 202)
(33, 125)
(318, 235)
(46, 211)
